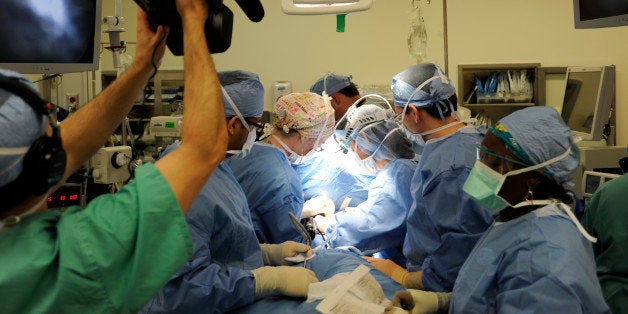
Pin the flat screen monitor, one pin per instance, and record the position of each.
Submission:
(588, 97)
(600, 13)
(50, 36)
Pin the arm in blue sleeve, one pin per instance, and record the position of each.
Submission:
(459, 223)
(374, 225)
(204, 285)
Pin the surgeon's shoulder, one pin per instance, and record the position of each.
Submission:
(268, 153)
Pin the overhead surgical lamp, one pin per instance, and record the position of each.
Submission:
(317, 7)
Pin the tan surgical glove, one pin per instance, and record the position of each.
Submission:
(282, 280)
(420, 302)
(410, 280)
(275, 254)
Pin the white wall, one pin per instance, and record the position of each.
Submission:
(302, 49)
(496, 31)
(373, 48)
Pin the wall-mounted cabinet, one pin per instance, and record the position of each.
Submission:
(496, 90)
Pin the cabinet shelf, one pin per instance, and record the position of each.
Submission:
(493, 110)
(499, 105)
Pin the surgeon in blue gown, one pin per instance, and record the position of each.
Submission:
(536, 257)
(444, 223)
(271, 191)
(377, 225)
(264, 169)
(229, 268)
(326, 173)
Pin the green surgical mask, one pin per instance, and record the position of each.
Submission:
(483, 185)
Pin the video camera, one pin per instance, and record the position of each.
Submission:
(218, 27)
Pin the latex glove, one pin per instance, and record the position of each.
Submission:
(322, 223)
(420, 302)
(318, 205)
(275, 254)
(408, 279)
(282, 280)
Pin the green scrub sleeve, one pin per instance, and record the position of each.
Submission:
(123, 247)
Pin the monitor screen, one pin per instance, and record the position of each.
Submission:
(587, 100)
(50, 36)
(600, 13)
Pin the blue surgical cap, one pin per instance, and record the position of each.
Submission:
(542, 134)
(246, 91)
(331, 83)
(435, 92)
(384, 140)
(20, 126)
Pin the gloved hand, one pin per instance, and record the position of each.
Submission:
(419, 302)
(318, 205)
(275, 254)
(282, 280)
(408, 279)
(323, 222)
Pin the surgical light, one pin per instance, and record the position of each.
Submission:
(318, 7)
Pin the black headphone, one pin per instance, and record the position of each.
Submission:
(45, 161)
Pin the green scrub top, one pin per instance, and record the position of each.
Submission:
(111, 257)
(606, 217)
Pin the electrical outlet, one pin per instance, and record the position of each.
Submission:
(72, 101)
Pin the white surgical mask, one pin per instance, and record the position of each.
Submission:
(252, 135)
(418, 137)
(292, 156)
(367, 164)
(297, 159)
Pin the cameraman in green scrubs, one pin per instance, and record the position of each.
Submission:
(116, 253)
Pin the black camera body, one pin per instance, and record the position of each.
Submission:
(218, 27)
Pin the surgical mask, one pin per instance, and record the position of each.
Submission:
(252, 135)
(418, 137)
(484, 184)
(292, 156)
(297, 159)
(367, 164)
(250, 139)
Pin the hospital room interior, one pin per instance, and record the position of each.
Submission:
(380, 156)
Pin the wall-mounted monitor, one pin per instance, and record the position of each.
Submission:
(588, 96)
(600, 13)
(50, 36)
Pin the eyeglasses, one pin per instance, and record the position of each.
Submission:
(495, 160)
(255, 124)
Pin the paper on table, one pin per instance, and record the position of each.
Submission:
(358, 292)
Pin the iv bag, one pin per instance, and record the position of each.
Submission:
(417, 38)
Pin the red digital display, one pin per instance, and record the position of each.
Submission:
(64, 197)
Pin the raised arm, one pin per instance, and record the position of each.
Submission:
(85, 131)
(204, 133)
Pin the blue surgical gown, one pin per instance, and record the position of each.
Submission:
(272, 189)
(444, 222)
(219, 277)
(379, 223)
(334, 174)
(537, 263)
